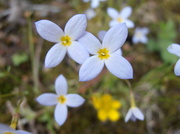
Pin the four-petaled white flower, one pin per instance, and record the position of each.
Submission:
(94, 3)
(90, 13)
(65, 41)
(4, 129)
(140, 35)
(106, 54)
(120, 17)
(61, 99)
(175, 49)
(133, 114)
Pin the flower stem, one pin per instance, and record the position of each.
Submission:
(132, 101)
(35, 65)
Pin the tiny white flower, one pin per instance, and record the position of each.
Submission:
(140, 35)
(120, 17)
(175, 49)
(4, 129)
(90, 13)
(94, 3)
(106, 54)
(61, 99)
(65, 41)
(133, 114)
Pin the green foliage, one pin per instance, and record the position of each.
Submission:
(19, 58)
(165, 36)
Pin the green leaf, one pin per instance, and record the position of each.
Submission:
(152, 45)
(19, 58)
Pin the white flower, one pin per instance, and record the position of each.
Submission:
(106, 54)
(140, 35)
(4, 129)
(133, 114)
(175, 49)
(61, 99)
(94, 3)
(65, 41)
(90, 13)
(120, 17)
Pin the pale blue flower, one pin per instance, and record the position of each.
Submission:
(133, 114)
(61, 99)
(140, 35)
(106, 54)
(65, 41)
(90, 13)
(120, 17)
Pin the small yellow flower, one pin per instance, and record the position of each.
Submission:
(107, 107)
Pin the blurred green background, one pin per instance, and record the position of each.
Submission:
(23, 76)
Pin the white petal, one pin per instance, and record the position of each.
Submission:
(60, 114)
(133, 118)
(129, 23)
(76, 26)
(101, 35)
(113, 13)
(74, 100)
(119, 66)
(115, 37)
(119, 51)
(113, 23)
(90, 42)
(135, 39)
(174, 49)
(49, 30)
(47, 99)
(22, 132)
(90, 13)
(144, 39)
(126, 12)
(90, 68)
(145, 30)
(4, 127)
(94, 3)
(128, 115)
(55, 55)
(177, 68)
(61, 85)
(78, 52)
(137, 113)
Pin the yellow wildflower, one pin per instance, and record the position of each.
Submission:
(107, 107)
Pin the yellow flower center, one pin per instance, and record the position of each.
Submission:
(66, 40)
(139, 34)
(119, 19)
(8, 133)
(61, 99)
(103, 53)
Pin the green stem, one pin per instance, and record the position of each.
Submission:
(35, 65)
(132, 101)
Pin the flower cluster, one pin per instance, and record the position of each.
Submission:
(79, 45)
(107, 107)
